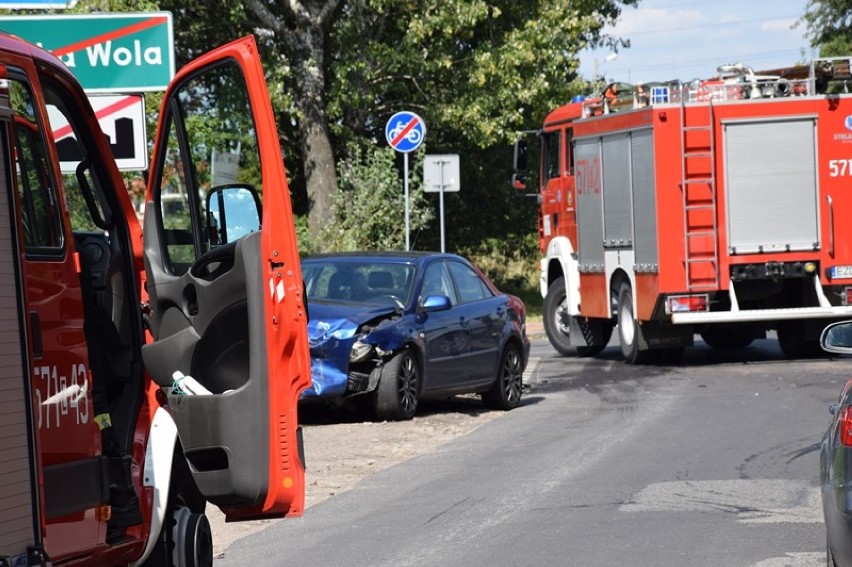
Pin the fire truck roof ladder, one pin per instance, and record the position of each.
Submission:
(698, 187)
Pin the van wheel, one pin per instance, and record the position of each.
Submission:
(186, 539)
(193, 539)
(629, 330)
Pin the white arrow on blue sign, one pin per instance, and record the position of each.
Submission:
(405, 131)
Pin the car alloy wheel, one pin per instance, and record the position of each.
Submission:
(395, 397)
(505, 394)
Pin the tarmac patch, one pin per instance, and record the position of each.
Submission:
(752, 501)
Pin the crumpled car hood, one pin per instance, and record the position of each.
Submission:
(331, 334)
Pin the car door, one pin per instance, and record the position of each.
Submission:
(446, 337)
(484, 314)
(225, 289)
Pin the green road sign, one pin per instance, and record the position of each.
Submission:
(108, 53)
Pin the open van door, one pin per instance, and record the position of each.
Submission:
(230, 347)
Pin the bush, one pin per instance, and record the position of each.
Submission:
(370, 203)
(513, 265)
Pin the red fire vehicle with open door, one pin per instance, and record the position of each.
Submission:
(188, 346)
(714, 207)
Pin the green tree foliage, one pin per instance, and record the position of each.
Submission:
(368, 205)
(829, 25)
(477, 72)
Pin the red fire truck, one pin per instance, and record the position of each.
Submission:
(714, 207)
(144, 377)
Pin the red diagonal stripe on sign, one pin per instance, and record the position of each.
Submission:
(114, 34)
(105, 111)
(405, 131)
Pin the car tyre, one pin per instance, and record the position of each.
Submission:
(629, 330)
(399, 383)
(829, 556)
(505, 394)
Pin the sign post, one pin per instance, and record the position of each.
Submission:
(441, 173)
(405, 132)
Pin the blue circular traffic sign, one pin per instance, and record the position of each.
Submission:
(405, 131)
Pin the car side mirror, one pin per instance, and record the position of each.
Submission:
(521, 160)
(837, 337)
(432, 303)
(233, 211)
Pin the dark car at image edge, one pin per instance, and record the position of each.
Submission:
(399, 327)
(835, 459)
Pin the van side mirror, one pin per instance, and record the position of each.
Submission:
(519, 182)
(233, 211)
(520, 161)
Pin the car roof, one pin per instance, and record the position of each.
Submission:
(382, 256)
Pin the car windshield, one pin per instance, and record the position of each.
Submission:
(372, 282)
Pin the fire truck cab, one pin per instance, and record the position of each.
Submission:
(712, 207)
(189, 345)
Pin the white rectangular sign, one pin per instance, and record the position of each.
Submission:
(441, 172)
(122, 119)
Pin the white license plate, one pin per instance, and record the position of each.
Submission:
(840, 272)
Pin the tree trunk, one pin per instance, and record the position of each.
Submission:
(301, 27)
(317, 153)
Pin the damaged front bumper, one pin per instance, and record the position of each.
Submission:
(342, 363)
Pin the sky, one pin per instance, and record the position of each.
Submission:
(688, 39)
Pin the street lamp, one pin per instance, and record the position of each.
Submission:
(599, 79)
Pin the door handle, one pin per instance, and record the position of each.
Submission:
(463, 321)
(35, 327)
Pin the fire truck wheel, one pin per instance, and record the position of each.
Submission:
(628, 330)
(794, 344)
(557, 324)
(557, 319)
(721, 337)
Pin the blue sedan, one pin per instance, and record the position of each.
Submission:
(836, 459)
(400, 327)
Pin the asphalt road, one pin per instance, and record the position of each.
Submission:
(712, 462)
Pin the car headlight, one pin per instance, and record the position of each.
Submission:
(360, 352)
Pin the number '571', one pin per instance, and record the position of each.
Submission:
(839, 167)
